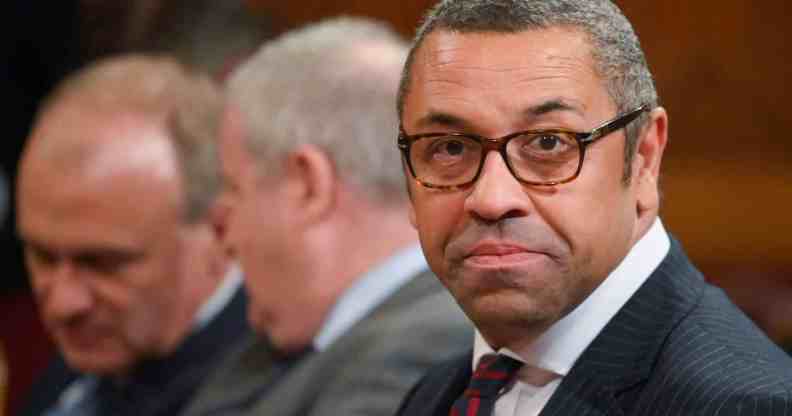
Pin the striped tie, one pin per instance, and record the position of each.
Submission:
(492, 373)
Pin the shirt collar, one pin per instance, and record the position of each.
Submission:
(371, 289)
(220, 298)
(87, 384)
(557, 349)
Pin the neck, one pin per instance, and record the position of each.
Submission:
(340, 250)
(368, 235)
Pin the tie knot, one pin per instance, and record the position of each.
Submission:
(492, 373)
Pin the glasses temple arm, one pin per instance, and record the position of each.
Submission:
(615, 125)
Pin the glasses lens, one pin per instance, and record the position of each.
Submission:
(445, 160)
(544, 157)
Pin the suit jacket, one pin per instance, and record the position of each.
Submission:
(158, 387)
(366, 371)
(678, 347)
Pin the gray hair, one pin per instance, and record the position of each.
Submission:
(184, 103)
(616, 51)
(333, 85)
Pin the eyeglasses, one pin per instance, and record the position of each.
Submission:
(535, 157)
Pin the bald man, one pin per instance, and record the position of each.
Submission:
(123, 242)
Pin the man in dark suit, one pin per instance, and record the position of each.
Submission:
(347, 314)
(532, 138)
(123, 241)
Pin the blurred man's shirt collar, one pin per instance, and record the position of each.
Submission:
(370, 291)
(222, 295)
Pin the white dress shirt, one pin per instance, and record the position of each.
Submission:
(549, 359)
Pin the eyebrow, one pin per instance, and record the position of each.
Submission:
(550, 106)
(451, 121)
(443, 119)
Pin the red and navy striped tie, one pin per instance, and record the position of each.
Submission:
(492, 373)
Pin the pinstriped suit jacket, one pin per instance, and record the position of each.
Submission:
(678, 347)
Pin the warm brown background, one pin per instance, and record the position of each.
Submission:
(723, 74)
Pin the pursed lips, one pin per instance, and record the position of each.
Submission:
(494, 253)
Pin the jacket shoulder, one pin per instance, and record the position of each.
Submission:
(716, 361)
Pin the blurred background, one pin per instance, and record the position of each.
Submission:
(721, 71)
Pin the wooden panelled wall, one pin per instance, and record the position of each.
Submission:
(723, 72)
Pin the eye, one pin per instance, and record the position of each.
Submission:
(548, 142)
(448, 150)
(106, 262)
(40, 256)
(454, 148)
(548, 145)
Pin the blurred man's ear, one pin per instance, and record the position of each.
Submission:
(312, 183)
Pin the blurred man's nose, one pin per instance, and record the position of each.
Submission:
(65, 295)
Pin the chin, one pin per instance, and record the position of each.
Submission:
(97, 362)
(510, 315)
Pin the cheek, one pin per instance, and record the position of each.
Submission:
(119, 309)
(144, 300)
(595, 224)
(438, 217)
(142, 325)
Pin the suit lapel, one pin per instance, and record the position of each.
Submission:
(457, 380)
(439, 388)
(623, 354)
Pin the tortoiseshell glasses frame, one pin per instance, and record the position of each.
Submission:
(448, 161)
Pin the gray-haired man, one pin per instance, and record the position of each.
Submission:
(348, 315)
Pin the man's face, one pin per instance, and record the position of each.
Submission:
(112, 265)
(517, 256)
(260, 234)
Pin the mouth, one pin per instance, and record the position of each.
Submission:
(500, 255)
(83, 337)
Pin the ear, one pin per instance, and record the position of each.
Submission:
(646, 163)
(216, 253)
(312, 184)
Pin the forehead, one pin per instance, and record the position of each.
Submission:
(96, 179)
(504, 72)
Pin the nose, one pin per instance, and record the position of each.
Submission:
(497, 194)
(63, 295)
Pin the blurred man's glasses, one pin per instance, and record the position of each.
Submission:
(534, 157)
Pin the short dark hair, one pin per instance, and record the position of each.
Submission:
(617, 53)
